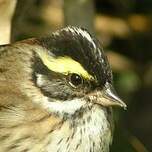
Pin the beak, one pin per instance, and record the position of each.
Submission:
(108, 97)
(110, 94)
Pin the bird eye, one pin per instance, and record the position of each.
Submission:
(75, 80)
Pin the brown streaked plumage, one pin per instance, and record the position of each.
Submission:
(44, 109)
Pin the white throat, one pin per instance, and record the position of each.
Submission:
(63, 107)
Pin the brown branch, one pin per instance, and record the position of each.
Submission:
(7, 8)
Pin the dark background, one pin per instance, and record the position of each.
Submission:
(125, 29)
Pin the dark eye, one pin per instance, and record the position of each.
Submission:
(75, 80)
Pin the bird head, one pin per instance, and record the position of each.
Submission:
(72, 71)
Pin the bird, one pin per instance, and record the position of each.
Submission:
(56, 94)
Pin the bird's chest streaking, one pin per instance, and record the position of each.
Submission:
(90, 133)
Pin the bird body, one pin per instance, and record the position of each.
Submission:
(52, 100)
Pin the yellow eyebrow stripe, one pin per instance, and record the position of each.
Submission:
(64, 65)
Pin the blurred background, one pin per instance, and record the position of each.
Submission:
(124, 28)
